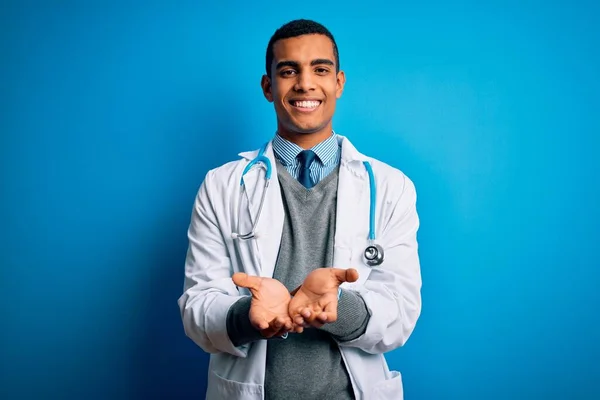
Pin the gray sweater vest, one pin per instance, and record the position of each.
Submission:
(307, 365)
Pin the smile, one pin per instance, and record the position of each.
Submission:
(305, 105)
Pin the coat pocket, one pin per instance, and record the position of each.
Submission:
(220, 388)
(389, 389)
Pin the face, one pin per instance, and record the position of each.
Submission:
(304, 85)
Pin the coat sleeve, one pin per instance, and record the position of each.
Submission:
(208, 291)
(392, 292)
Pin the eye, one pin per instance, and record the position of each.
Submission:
(288, 72)
(321, 70)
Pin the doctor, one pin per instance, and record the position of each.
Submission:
(297, 289)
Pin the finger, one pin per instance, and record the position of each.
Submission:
(301, 323)
(322, 317)
(345, 275)
(242, 279)
(299, 316)
(298, 328)
(284, 324)
(330, 311)
(285, 328)
(272, 328)
(351, 275)
(277, 324)
(317, 323)
(260, 324)
(305, 313)
(309, 316)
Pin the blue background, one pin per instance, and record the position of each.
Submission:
(112, 112)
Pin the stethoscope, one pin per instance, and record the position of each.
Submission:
(373, 253)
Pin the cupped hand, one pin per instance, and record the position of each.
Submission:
(316, 301)
(269, 304)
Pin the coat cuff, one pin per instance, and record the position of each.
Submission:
(239, 327)
(216, 327)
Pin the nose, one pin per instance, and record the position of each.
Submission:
(304, 82)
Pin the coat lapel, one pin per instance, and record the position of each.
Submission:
(352, 216)
(270, 224)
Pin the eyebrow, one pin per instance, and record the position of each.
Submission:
(295, 64)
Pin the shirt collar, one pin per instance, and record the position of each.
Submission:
(326, 151)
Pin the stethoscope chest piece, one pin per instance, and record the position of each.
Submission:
(374, 255)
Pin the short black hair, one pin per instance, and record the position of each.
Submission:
(300, 27)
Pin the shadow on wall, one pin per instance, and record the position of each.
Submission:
(168, 364)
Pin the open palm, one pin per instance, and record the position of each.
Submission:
(316, 301)
(269, 304)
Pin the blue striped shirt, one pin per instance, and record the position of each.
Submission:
(328, 156)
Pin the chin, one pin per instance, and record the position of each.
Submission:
(306, 128)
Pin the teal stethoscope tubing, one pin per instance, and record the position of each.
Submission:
(373, 253)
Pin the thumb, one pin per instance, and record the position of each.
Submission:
(242, 279)
(346, 275)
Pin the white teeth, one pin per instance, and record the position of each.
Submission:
(307, 104)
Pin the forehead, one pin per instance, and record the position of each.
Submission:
(303, 49)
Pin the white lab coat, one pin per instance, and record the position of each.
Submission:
(391, 291)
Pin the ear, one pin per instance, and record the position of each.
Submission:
(341, 81)
(265, 83)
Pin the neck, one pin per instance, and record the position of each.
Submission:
(306, 140)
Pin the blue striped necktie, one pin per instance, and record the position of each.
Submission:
(306, 158)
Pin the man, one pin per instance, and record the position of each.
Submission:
(296, 311)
